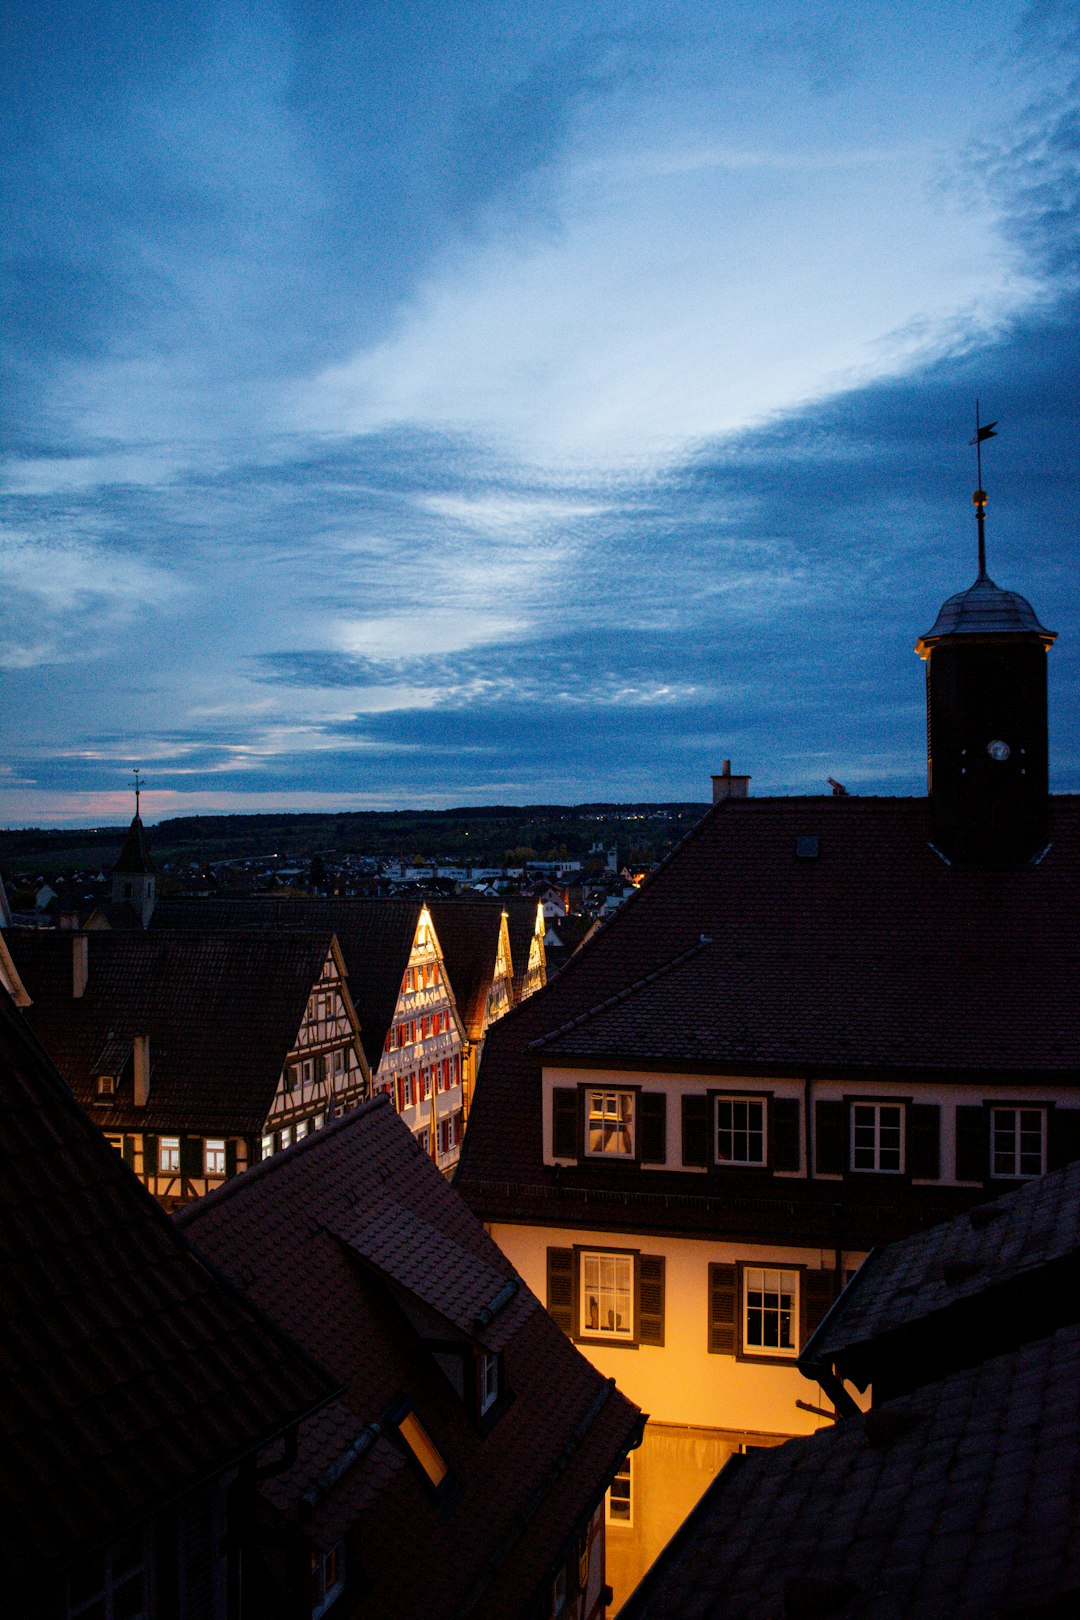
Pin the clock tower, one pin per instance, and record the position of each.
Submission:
(986, 723)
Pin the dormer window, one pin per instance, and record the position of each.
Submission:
(106, 1086)
(423, 1448)
(487, 1371)
(609, 1123)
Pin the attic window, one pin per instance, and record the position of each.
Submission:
(106, 1085)
(807, 848)
(423, 1448)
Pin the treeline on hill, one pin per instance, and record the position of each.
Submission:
(486, 835)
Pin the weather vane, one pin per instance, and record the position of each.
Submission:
(979, 496)
(138, 788)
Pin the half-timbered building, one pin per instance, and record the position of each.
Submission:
(410, 1028)
(820, 1024)
(197, 1054)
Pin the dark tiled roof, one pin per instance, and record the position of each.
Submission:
(954, 1503)
(135, 856)
(128, 1370)
(332, 1238)
(375, 937)
(872, 956)
(222, 1012)
(468, 931)
(938, 1270)
(985, 609)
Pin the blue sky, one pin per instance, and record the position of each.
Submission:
(444, 404)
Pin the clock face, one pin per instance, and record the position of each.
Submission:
(998, 750)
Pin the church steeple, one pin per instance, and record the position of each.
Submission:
(133, 880)
(986, 719)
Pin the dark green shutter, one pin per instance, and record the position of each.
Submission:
(320, 1066)
(651, 1299)
(230, 1158)
(831, 1138)
(695, 1130)
(653, 1127)
(149, 1155)
(972, 1144)
(127, 1152)
(1063, 1137)
(819, 1291)
(560, 1287)
(191, 1156)
(564, 1122)
(721, 1310)
(784, 1144)
(924, 1141)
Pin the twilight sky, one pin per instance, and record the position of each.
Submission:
(432, 404)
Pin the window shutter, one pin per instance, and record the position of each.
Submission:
(564, 1122)
(128, 1152)
(149, 1155)
(191, 1155)
(651, 1299)
(230, 1158)
(653, 1127)
(831, 1138)
(1063, 1137)
(721, 1310)
(784, 1144)
(560, 1287)
(818, 1292)
(320, 1066)
(972, 1143)
(695, 1130)
(924, 1140)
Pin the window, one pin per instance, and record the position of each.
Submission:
(214, 1156)
(169, 1155)
(106, 1085)
(488, 1380)
(286, 1137)
(302, 1128)
(267, 1147)
(327, 1578)
(620, 1496)
(877, 1137)
(740, 1130)
(770, 1311)
(607, 1296)
(1017, 1142)
(423, 1448)
(111, 1585)
(609, 1123)
(339, 1061)
(116, 1142)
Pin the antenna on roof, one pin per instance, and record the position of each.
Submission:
(979, 496)
(138, 789)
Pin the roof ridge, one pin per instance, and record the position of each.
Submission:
(621, 995)
(217, 1195)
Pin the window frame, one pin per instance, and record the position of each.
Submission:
(624, 1471)
(771, 1353)
(327, 1594)
(168, 1145)
(214, 1145)
(877, 1104)
(1017, 1110)
(761, 1099)
(604, 1155)
(598, 1335)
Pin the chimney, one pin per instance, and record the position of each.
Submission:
(142, 1070)
(80, 965)
(726, 786)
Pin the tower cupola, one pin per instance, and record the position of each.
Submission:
(986, 721)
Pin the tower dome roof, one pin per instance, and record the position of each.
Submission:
(984, 609)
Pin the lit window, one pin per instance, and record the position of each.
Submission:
(169, 1154)
(610, 1123)
(106, 1085)
(1018, 1142)
(318, 1122)
(286, 1137)
(327, 1578)
(620, 1496)
(770, 1311)
(267, 1146)
(607, 1295)
(740, 1130)
(302, 1128)
(214, 1156)
(488, 1377)
(423, 1448)
(877, 1136)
